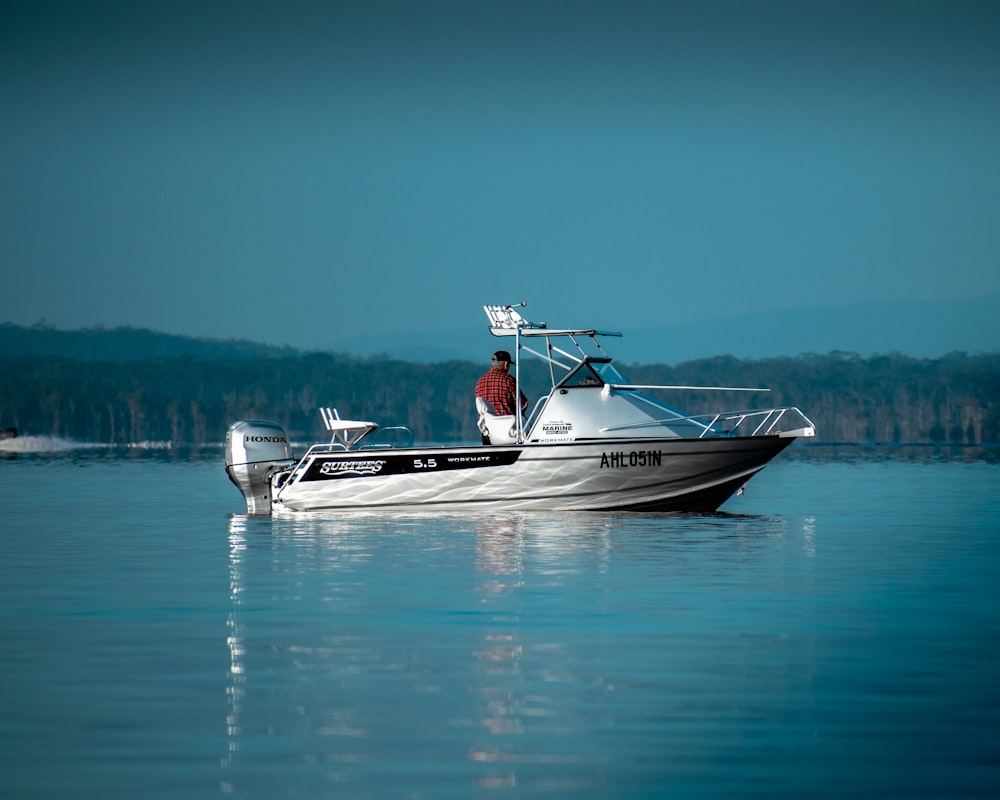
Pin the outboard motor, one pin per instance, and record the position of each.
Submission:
(255, 450)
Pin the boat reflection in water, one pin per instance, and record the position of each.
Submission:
(537, 651)
(374, 647)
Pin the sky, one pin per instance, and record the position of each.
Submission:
(314, 173)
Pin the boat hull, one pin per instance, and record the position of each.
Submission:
(694, 475)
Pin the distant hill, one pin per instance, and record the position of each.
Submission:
(920, 330)
(123, 344)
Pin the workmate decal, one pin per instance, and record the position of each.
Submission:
(325, 468)
(637, 458)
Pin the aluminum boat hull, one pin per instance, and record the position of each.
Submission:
(693, 475)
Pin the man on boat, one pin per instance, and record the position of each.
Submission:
(498, 387)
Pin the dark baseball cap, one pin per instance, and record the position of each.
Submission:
(502, 355)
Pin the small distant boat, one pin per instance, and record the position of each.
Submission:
(9, 433)
(594, 442)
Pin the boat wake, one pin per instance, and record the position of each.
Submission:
(44, 444)
(58, 444)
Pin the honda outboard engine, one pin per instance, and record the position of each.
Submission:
(255, 450)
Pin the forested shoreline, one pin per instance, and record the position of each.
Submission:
(190, 400)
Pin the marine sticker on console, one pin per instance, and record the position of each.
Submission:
(554, 430)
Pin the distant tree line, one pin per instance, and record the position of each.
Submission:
(192, 400)
(884, 398)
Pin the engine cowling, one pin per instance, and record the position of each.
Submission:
(255, 450)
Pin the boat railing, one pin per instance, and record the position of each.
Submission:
(388, 438)
(788, 421)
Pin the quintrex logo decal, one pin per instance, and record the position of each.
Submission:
(371, 467)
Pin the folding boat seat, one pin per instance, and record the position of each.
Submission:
(499, 429)
(344, 433)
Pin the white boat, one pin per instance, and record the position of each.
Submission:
(593, 442)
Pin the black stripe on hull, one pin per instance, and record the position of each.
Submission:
(702, 501)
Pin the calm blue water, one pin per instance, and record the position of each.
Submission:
(836, 634)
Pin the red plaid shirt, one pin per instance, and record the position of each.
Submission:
(497, 388)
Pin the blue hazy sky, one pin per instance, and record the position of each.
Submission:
(307, 173)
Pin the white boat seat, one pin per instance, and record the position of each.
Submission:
(345, 433)
(498, 428)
